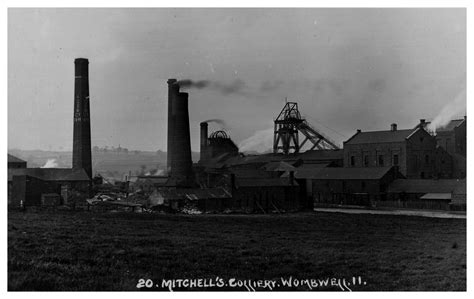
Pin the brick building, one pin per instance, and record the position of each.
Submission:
(412, 151)
(452, 138)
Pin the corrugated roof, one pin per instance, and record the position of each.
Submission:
(309, 156)
(313, 166)
(435, 196)
(50, 174)
(251, 173)
(278, 166)
(380, 136)
(426, 186)
(342, 173)
(267, 182)
(451, 125)
(13, 159)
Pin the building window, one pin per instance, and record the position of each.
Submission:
(395, 160)
(380, 160)
(421, 139)
(366, 160)
(352, 160)
(422, 175)
(363, 186)
(427, 159)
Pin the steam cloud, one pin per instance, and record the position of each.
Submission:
(234, 87)
(51, 163)
(450, 111)
(261, 141)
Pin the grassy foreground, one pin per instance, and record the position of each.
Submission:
(112, 251)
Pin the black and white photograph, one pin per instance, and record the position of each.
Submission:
(236, 149)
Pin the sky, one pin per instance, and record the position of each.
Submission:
(347, 69)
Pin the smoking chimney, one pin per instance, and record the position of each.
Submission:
(181, 161)
(173, 90)
(393, 127)
(81, 154)
(204, 132)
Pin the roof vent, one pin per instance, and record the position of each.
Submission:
(393, 127)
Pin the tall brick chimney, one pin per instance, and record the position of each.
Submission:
(204, 133)
(179, 145)
(81, 153)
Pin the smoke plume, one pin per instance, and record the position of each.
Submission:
(449, 112)
(220, 122)
(235, 87)
(51, 163)
(261, 141)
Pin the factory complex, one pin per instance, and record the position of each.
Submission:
(396, 168)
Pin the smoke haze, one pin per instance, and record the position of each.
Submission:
(452, 110)
(234, 87)
(51, 163)
(261, 142)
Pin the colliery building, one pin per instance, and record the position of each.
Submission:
(35, 186)
(414, 152)
(373, 169)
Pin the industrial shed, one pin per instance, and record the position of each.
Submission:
(191, 199)
(346, 186)
(27, 184)
(14, 162)
(263, 195)
(426, 194)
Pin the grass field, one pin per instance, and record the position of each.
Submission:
(92, 251)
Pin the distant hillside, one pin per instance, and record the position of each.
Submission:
(109, 164)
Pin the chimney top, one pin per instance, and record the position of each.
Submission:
(171, 81)
(81, 60)
(422, 121)
(393, 127)
(359, 130)
(204, 123)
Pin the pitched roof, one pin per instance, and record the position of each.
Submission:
(426, 186)
(343, 173)
(451, 125)
(380, 136)
(266, 182)
(50, 174)
(435, 196)
(13, 159)
(278, 166)
(251, 173)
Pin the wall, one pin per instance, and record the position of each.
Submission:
(373, 150)
(421, 148)
(411, 155)
(254, 199)
(443, 164)
(460, 139)
(27, 189)
(412, 201)
(16, 164)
